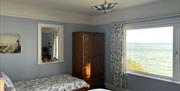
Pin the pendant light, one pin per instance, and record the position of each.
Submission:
(104, 8)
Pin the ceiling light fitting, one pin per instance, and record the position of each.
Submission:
(104, 8)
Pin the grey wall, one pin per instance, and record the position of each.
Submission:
(23, 66)
(135, 83)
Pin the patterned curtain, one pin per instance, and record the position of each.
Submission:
(118, 59)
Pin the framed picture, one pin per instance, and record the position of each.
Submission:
(10, 43)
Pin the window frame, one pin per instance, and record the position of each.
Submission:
(175, 22)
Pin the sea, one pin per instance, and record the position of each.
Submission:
(155, 58)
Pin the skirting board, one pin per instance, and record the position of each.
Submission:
(110, 86)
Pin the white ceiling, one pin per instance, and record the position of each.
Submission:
(81, 6)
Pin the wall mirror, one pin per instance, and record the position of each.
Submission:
(50, 43)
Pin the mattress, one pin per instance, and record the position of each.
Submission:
(53, 83)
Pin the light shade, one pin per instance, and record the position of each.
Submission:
(105, 8)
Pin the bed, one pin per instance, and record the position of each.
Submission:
(53, 83)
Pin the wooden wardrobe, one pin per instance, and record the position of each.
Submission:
(88, 57)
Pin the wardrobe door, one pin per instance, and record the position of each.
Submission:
(77, 54)
(87, 55)
(97, 62)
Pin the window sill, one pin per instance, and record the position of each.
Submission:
(156, 78)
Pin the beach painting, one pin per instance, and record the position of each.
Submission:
(10, 43)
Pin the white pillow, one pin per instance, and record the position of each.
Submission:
(7, 82)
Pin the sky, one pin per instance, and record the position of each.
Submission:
(150, 35)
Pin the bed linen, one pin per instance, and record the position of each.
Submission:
(53, 83)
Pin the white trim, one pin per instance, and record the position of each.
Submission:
(161, 79)
(150, 75)
(178, 48)
(176, 63)
(60, 42)
(175, 22)
(153, 23)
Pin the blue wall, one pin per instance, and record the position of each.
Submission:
(23, 66)
(135, 83)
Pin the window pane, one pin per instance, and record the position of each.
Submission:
(151, 50)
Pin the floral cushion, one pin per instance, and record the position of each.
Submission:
(7, 82)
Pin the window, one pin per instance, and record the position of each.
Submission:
(153, 50)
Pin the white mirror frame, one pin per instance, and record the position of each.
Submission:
(60, 42)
